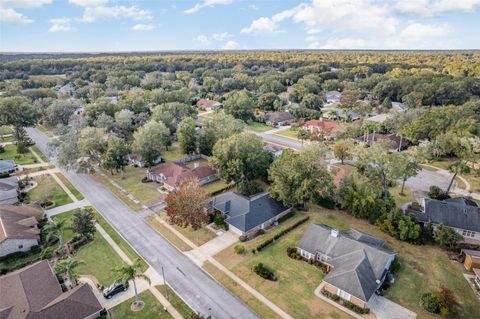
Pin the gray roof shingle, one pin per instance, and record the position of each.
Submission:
(245, 212)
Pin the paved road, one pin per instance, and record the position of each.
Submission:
(284, 141)
(197, 288)
(426, 178)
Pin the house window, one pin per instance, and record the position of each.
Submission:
(305, 254)
(344, 295)
(20, 246)
(468, 233)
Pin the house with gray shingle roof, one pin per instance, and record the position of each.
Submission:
(9, 190)
(460, 214)
(357, 263)
(247, 215)
(7, 166)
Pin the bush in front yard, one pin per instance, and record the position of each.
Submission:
(442, 302)
(242, 238)
(239, 249)
(264, 272)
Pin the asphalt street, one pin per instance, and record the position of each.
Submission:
(195, 286)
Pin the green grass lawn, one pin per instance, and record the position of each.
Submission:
(22, 159)
(153, 308)
(6, 139)
(5, 130)
(198, 237)
(201, 162)
(70, 187)
(145, 192)
(400, 200)
(167, 234)
(258, 127)
(40, 153)
(289, 132)
(48, 188)
(174, 153)
(423, 269)
(102, 180)
(124, 246)
(176, 301)
(99, 257)
(215, 186)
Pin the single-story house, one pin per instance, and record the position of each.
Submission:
(247, 215)
(462, 215)
(472, 259)
(278, 118)
(399, 107)
(172, 174)
(19, 228)
(328, 129)
(348, 116)
(137, 161)
(208, 105)
(67, 89)
(396, 143)
(379, 118)
(357, 263)
(34, 292)
(9, 190)
(276, 150)
(7, 166)
(333, 97)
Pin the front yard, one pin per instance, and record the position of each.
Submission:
(289, 132)
(258, 127)
(12, 154)
(153, 308)
(420, 264)
(48, 190)
(70, 187)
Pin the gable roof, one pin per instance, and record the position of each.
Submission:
(450, 213)
(280, 117)
(245, 213)
(19, 222)
(7, 165)
(8, 189)
(174, 173)
(358, 259)
(329, 126)
(379, 118)
(207, 103)
(394, 139)
(34, 292)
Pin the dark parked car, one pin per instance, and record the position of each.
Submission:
(114, 289)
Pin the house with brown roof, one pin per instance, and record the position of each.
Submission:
(208, 105)
(394, 142)
(34, 292)
(327, 129)
(172, 174)
(278, 118)
(19, 228)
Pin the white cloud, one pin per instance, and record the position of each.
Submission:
(9, 15)
(216, 37)
(60, 25)
(203, 39)
(206, 3)
(143, 27)
(431, 8)
(261, 25)
(253, 7)
(221, 36)
(88, 3)
(230, 45)
(98, 9)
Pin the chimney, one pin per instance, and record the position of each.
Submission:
(334, 233)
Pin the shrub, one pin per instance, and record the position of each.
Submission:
(145, 179)
(254, 251)
(261, 232)
(415, 206)
(355, 308)
(21, 148)
(441, 302)
(267, 242)
(239, 249)
(431, 302)
(219, 220)
(2, 149)
(264, 272)
(242, 238)
(436, 192)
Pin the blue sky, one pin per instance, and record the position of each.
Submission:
(119, 25)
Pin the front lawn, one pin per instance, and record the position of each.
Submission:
(115, 191)
(176, 301)
(400, 200)
(428, 265)
(99, 257)
(153, 308)
(70, 187)
(289, 132)
(12, 154)
(40, 153)
(258, 127)
(48, 188)
(198, 237)
(145, 192)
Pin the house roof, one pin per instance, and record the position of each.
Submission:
(322, 124)
(400, 107)
(462, 201)
(394, 139)
(18, 222)
(451, 214)
(280, 117)
(471, 252)
(245, 213)
(8, 189)
(207, 103)
(379, 118)
(33, 292)
(359, 260)
(175, 173)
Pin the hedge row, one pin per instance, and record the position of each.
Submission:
(267, 242)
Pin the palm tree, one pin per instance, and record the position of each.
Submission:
(127, 272)
(67, 266)
(54, 229)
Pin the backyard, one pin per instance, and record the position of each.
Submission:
(12, 154)
(153, 308)
(429, 265)
(173, 153)
(48, 189)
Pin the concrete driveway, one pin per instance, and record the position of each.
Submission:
(426, 178)
(386, 309)
(200, 254)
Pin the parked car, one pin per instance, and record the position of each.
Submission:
(114, 289)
